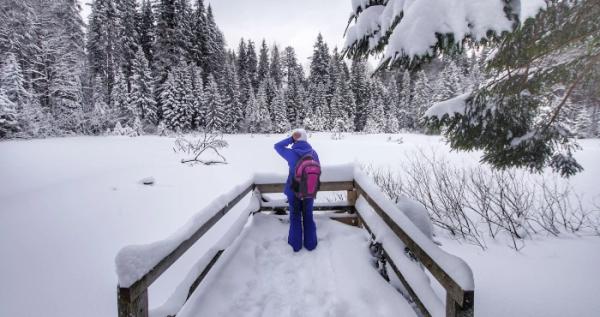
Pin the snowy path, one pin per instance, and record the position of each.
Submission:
(263, 277)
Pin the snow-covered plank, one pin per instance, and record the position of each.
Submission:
(330, 173)
(452, 272)
(418, 282)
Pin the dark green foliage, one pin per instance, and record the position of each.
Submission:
(518, 118)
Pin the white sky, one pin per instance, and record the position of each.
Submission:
(285, 22)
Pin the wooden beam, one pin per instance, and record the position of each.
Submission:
(204, 273)
(142, 284)
(138, 307)
(452, 288)
(350, 220)
(325, 187)
(317, 207)
(406, 285)
(453, 309)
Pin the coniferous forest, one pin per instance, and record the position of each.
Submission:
(159, 66)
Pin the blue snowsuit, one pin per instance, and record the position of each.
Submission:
(299, 209)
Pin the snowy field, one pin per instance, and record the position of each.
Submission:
(68, 205)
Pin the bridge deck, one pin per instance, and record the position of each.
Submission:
(261, 276)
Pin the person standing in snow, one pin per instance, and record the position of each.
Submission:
(301, 210)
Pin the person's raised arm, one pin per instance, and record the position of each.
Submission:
(281, 148)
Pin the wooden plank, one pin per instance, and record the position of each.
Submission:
(352, 196)
(452, 288)
(389, 260)
(141, 285)
(204, 273)
(406, 285)
(453, 309)
(348, 220)
(138, 307)
(344, 208)
(325, 187)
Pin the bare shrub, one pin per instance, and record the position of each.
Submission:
(472, 202)
(208, 142)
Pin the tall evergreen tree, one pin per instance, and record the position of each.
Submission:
(280, 120)
(127, 35)
(142, 96)
(146, 31)
(102, 44)
(251, 66)
(263, 63)
(215, 47)
(276, 68)
(359, 84)
(215, 112)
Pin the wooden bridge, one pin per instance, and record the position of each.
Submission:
(365, 207)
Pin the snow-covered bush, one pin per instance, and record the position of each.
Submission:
(475, 203)
(200, 148)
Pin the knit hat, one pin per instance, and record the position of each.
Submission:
(303, 134)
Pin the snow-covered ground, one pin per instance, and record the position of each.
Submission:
(68, 205)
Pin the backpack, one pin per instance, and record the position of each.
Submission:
(306, 180)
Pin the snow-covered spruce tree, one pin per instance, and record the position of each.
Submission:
(234, 113)
(516, 117)
(11, 80)
(317, 101)
(102, 43)
(406, 111)
(251, 66)
(215, 114)
(8, 116)
(448, 82)
(147, 31)
(128, 37)
(121, 100)
(263, 62)
(280, 120)
(64, 40)
(319, 65)
(422, 99)
(19, 35)
(142, 97)
(258, 119)
(200, 35)
(376, 116)
(173, 114)
(215, 47)
(198, 103)
(359, 85)
(583, 123)
(341, 121)
(166, 52)
(184, 22)
(392, 117)
(276, 68)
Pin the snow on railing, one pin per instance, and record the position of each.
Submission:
(133, 262)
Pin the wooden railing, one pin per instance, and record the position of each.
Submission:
(133, 300)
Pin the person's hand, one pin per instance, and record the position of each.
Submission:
(296, 135)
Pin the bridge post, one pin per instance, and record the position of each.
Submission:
(132, 307)
(453, 309)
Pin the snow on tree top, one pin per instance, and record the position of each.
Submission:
(421, 23)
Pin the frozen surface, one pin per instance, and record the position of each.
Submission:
(69, 205)
(266, 278)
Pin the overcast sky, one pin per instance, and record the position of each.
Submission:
(286, 22)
